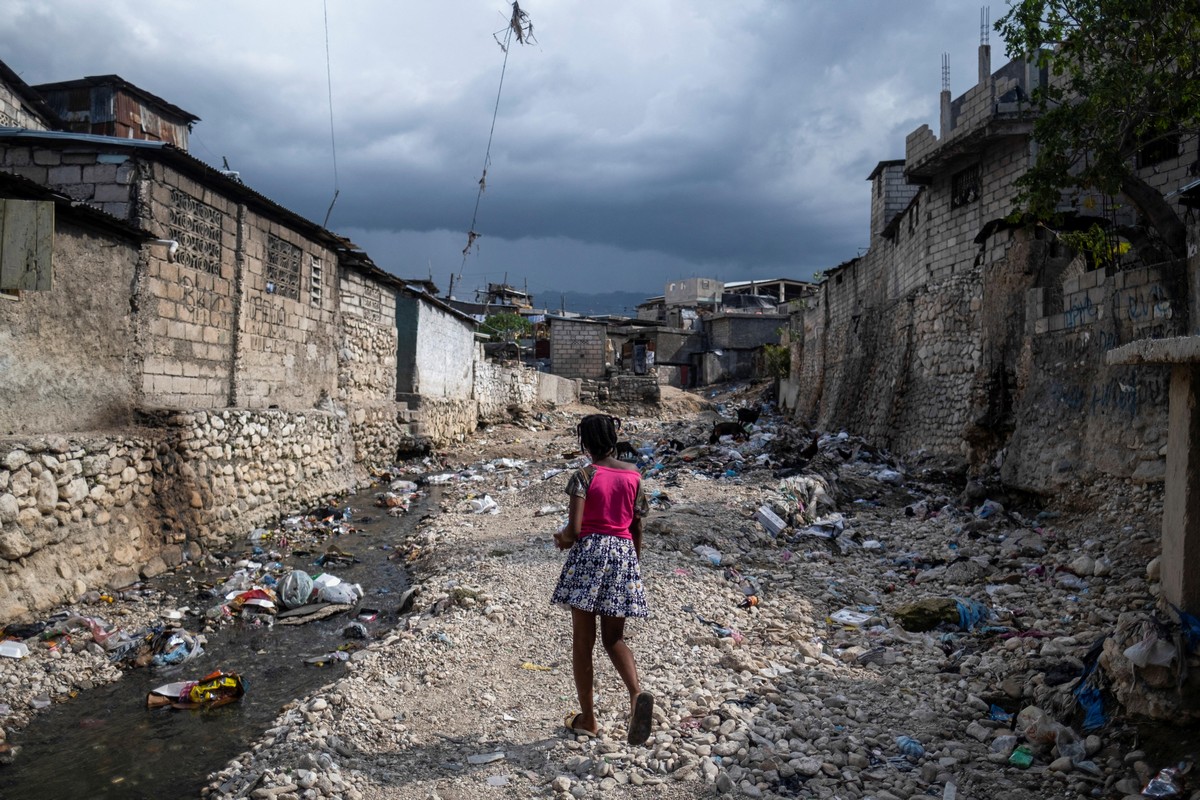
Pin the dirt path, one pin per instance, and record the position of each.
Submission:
(468, 699)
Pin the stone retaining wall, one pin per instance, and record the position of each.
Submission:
(500, 386)
(74, 514)
(87, 512)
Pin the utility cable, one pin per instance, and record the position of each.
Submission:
(332, 140)
(519, 25)
(472, 234)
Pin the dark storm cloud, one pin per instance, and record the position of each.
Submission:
(636, 142)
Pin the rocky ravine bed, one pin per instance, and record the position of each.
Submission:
(467, 698)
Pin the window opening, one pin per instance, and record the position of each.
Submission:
(316, 270)
(964, 187)
(283, 268)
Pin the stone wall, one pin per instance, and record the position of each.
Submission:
(82, 512)
(65, 361)
(243, 467)
(959, 336)
(367, 370)
(499, 386)
(74, 514)
(442, 420)
(635, 389)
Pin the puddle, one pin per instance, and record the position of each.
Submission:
(106, 744)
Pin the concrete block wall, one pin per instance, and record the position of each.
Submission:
(1079, 417)
(367, 379)
(287, 347)
(577, 348)
(187, 305)
(740, 331)
(104, 181)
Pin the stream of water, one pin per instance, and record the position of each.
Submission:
(106, 744)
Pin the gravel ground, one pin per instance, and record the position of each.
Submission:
(467, 698)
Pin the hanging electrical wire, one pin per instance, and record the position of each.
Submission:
(520, 27)
(332, 140)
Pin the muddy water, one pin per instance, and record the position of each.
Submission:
(107, 744)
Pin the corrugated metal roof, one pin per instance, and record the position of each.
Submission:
(117, 82)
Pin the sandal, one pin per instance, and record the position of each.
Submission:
(643, 718)
(570, 721)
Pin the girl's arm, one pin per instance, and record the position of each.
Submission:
(569, 533)
(635, 530)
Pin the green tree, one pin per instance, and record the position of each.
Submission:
(506, 327)
(1125, 78)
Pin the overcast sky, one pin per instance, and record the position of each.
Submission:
(637, 141)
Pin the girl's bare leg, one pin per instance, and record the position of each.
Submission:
(612, 634)
(583, 641)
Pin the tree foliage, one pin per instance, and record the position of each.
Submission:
(1124, 77)
(506, 327)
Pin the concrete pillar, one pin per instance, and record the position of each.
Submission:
(946, 127)
(985, 62)
(1181, 511)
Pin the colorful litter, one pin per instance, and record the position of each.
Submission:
(213, 690)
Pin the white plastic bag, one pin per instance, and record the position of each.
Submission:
(348, 593)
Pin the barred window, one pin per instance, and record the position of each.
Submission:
(283, 268)
(1158, 150)
(964, 187)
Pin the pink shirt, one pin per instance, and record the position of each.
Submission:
(609, 501)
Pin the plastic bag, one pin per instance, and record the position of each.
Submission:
(348, 593)
(711, 553)
(295, 589)
(1151, 650)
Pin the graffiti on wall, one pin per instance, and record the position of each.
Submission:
(204, 307)
(264, 316)
(1125, 396)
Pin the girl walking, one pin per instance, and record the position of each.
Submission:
(602, 577)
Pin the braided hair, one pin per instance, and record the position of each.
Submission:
(598, 434)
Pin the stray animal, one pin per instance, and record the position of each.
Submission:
(812, 449)
(733, 429)
(625, 452)
(749, 416)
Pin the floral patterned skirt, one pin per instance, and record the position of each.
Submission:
(602, 576)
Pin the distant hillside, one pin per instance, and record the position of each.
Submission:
(590, 302)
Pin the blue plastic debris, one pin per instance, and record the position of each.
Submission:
(971, 614)
(998, 714)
